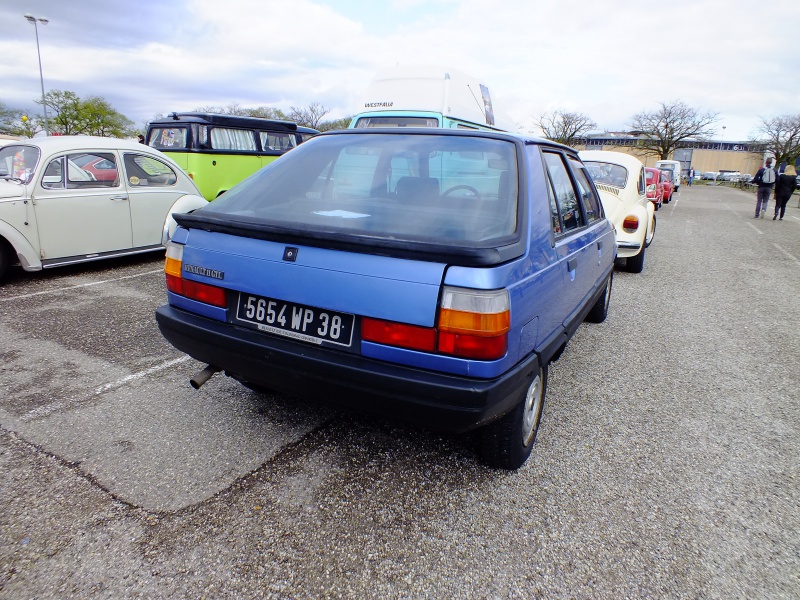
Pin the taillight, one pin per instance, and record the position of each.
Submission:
(630, 224)
(202, 292)
(472, 324)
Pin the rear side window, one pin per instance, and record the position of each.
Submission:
(223, 138)
(146, 171)
(561, 188)
(277, 141)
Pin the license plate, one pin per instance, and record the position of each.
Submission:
(297, 321)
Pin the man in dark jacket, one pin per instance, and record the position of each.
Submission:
(765, 179)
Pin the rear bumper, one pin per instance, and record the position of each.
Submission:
(442, 401)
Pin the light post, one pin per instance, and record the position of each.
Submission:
(43, 21)
(720, 154)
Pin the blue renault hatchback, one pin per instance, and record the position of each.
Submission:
(423, 274)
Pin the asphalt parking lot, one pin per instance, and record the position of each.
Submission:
(665, 466)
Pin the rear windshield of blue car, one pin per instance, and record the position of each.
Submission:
(434, 188)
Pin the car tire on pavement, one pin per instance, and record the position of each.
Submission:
(507, 443)
(649, 240)
(635, 264)
(599, 311)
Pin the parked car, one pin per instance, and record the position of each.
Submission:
(729, 176)
(710, 175)
(54, 212)
(101, 168)
(430, 275)
(669, 185)
(620, 179)
(655, 187)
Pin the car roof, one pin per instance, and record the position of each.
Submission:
(489, 133)
(58, 143)
(608, 156)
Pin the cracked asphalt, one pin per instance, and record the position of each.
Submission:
(665, 465)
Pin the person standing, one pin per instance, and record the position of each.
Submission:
(787, 182)
(765, 179)
(691, 176)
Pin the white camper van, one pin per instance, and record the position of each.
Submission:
(675, 167)
(428, 97)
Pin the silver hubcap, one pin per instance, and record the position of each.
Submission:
(530, 415)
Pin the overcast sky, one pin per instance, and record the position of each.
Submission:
(607, 59)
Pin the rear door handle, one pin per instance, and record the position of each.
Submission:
(119, 198)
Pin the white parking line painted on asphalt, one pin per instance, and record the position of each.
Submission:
(44, 411)
(139, 375)
(754, 227)
(75, 287)
(787, 253)
(675, 200)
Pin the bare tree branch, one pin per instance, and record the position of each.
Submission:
(565, 127)
(663, 130)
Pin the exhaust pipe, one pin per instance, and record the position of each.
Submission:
(200, 378)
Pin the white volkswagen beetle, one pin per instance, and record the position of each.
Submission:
(621, 181)
(71, 199)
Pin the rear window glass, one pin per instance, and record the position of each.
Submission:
(396, 122)
(442, 189)
(608, 173)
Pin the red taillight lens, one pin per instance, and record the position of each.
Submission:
(630, 223)
(398, 334)
(472, 324)
(202, 292)
(473, 346)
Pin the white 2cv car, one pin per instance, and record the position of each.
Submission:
(621, 181)
(71, 199)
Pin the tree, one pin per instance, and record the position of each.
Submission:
(69, 115)
(16, 121)
(781, 137)
(99, 118)
(565, 127)
(311, 116)
(342, 123)
(664, 129)
(262, 112)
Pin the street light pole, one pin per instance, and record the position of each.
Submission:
(43, 21)
(719, 156)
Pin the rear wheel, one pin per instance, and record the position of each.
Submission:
(649, 239)
(507, 443)
(599, 311)
(635, 264)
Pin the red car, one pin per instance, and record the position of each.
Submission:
(100, 167)
(669, 185)
(655, 186)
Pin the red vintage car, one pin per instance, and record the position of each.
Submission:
(669, 185)
(655, 186)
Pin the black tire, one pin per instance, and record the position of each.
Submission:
(507, 442)
(599, 311)
(652, 236)
(635, 264)
(5, 258)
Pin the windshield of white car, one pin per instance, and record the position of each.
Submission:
(18, 162)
